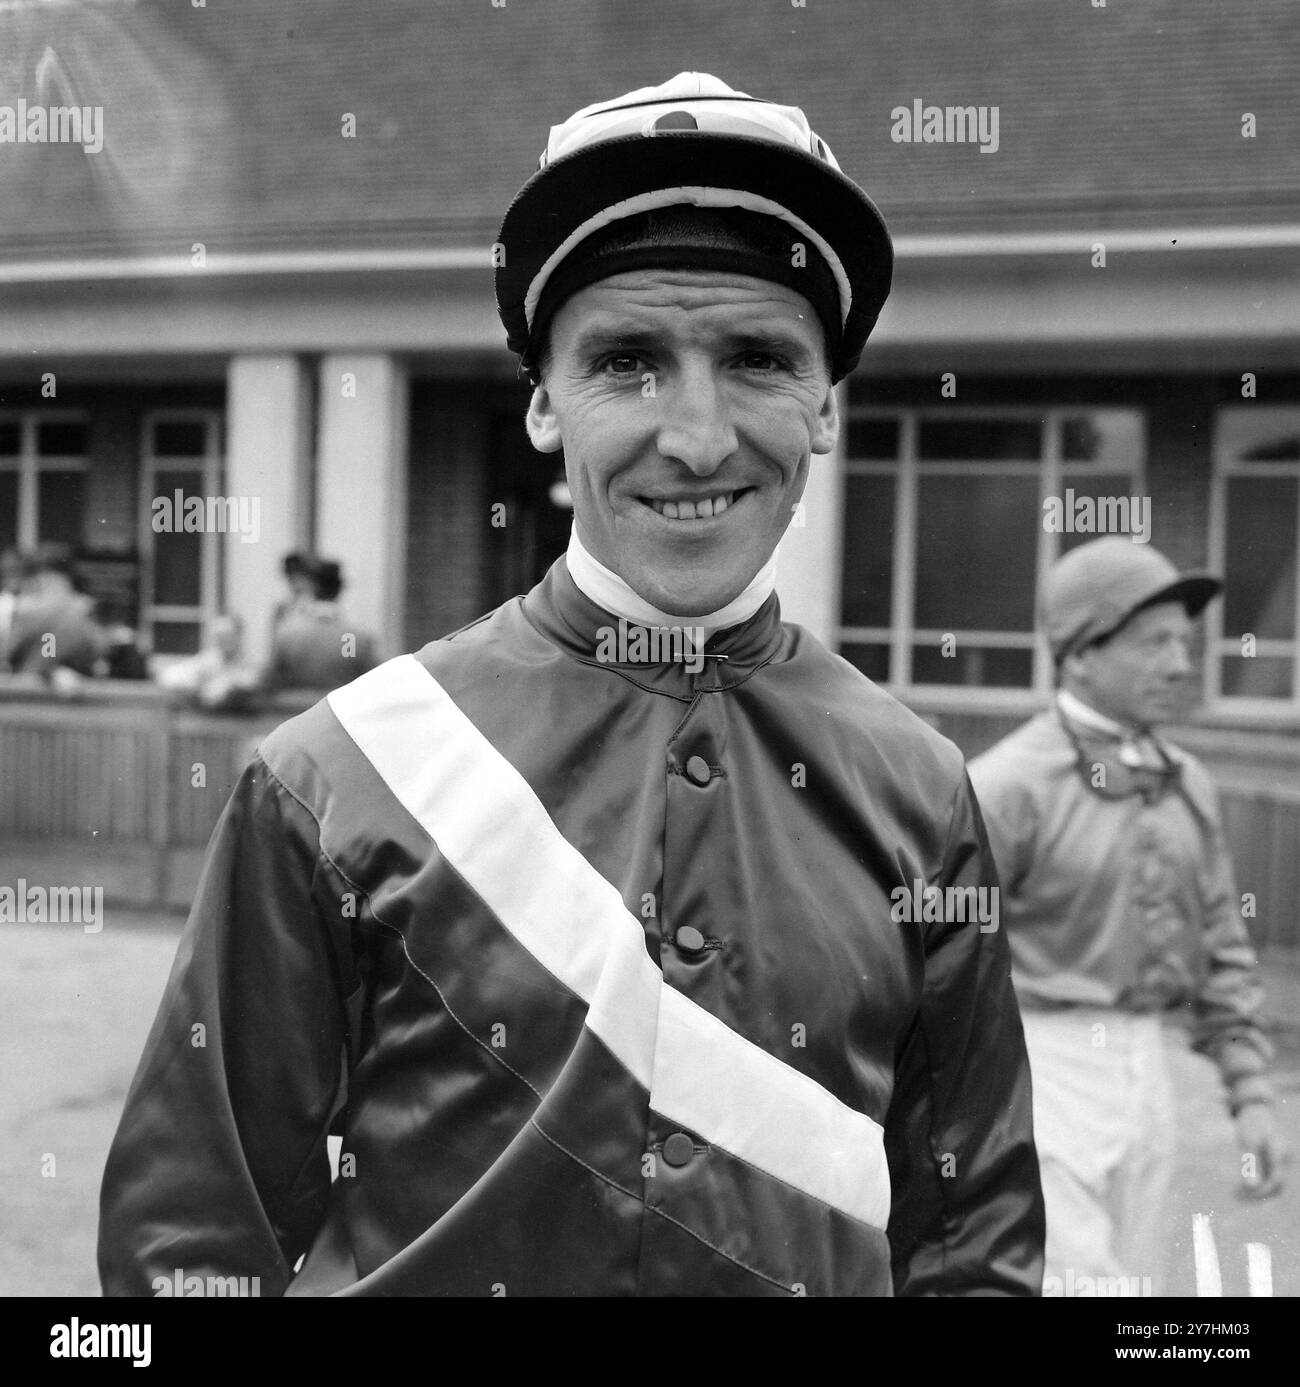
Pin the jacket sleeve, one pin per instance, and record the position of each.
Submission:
(1009, 815)
(967, 1215)
(219, 1166)
(1225, 1010)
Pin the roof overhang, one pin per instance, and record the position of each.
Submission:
(1204, 298)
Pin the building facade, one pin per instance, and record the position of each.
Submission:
(271, 288)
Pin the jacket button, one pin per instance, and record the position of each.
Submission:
(698, 770)
(678, 1149)
(689, 940)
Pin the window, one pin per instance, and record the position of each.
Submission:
(951, 516)
(42, 478)
(1254, 633)
(180, 455)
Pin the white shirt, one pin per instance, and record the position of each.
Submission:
(1136, 749)
(606, 589)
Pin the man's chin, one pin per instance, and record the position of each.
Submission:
(692, 599)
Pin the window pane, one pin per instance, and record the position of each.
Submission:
(1111, 437)
(60, 498)
(177, 557)
(873, 438)
(868, 550)
(1259, 433)
(8, 509)
(178, 438)
(11, 437)
(61, 438)
(872, 660)
(977, 544)
(980, 440)
(176, 637)
(1259, 596)
(973, 665)
(1124, 512)
(1282, 447)
(1264, 676)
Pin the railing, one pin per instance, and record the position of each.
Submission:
(120, 785)
(117, 784)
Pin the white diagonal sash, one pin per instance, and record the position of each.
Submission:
(491, 827)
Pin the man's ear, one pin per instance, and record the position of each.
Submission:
(826, 428)
(1074, 668)
(543, 427)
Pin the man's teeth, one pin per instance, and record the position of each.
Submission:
(694, 510)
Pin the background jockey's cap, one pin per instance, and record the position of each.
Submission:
(769, 200)
(1091, 591)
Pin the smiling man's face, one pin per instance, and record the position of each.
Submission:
(687, 404)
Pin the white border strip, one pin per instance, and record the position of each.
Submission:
(492, 828)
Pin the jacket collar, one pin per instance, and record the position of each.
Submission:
(1080, 742)
(664, 659)
(609, 590)
(1082, 714)
(1136, 746)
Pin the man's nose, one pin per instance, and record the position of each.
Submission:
(1178, 663)
(695, 425)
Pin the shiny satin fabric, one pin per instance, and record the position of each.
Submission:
(413, 928)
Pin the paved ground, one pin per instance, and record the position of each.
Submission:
(75, 1009)
(1208, 1161)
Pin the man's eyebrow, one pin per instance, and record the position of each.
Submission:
(764, 337)
(751, 337)
(614, 335)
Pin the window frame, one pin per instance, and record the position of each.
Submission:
(28, 464)
(211, 466)
(1054, 475)
(1224, 468)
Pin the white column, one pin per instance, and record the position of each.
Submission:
(267, 401)
(808, 573)
(361, 488)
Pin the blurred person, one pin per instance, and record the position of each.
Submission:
(315, 646)
(122, 656)
(1118, 897)
(13, 568)
(589, 953)
(54, 632)
(217, 677)
(298, 568)
(300, 576)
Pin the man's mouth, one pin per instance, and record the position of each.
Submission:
(695, 507)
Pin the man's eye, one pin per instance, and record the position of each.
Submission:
(621, 364)
(761, 361)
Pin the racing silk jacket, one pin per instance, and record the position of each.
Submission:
(595, 970)
(1122, 902)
